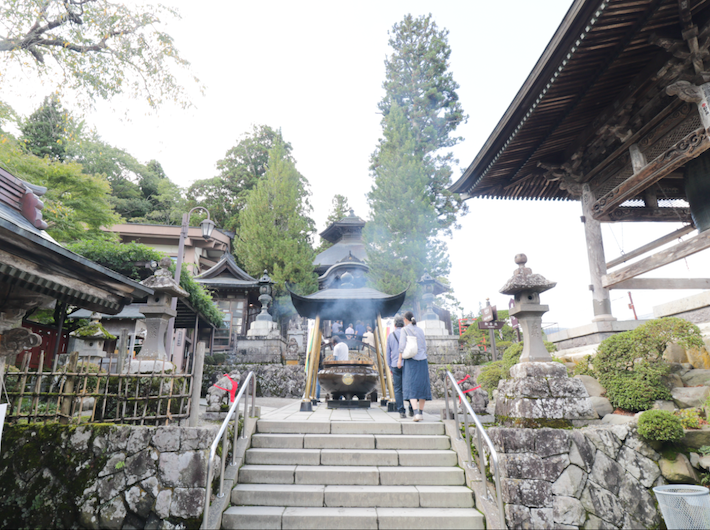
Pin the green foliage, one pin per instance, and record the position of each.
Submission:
(128, 259)
(239, 171)
(660, 426)
(479, 337)
(689, 418)
(95, 48)
(409, 200)
(76, 205)
(584, 367)
(274, 227)
(94, 329)
(630, 365)
(46, 131)
(199, 298)
(704, 450)
(339, 209)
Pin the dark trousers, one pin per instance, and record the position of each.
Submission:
(397, 383)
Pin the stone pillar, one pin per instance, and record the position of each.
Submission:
(198, 365)
(595, 257)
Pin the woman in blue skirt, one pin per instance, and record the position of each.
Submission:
(415, 377)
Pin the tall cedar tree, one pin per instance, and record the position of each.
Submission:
(409, 201)
(339, 209)
(274, 227)
(241, 168)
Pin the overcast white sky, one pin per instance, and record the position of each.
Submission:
(315, 69)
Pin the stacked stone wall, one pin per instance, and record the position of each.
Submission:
(595, 477)
(101, 476)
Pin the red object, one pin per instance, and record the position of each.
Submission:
(470, 389)
(233, 391)
(49, 337)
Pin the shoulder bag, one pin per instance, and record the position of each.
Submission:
(411, 348)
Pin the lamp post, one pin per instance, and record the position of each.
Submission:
(207, 225)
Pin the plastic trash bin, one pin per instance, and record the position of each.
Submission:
(684, 506)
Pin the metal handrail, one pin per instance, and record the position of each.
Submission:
(221, 436)
(480, 432)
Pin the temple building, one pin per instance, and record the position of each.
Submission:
(614, 115)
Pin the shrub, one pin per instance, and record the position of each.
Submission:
(630, 365)
(493, 372)
(660, 426)
(584, 367)
(209, 359)
(689, 418)
(219, 358)
(704, 450)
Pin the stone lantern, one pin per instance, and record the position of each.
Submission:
(158, 311)
(427, 283)
(430, 323)
(265, 290)
(264, 323)
(539, 392)
(526, 287)
(91, 339)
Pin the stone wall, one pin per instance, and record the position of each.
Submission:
(102, 476)
(595, 477)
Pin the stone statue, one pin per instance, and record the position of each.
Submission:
(227, 385)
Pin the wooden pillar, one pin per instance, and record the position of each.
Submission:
(595, 256)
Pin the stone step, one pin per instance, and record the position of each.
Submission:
(258, 474)
(309, 457)
(420, 476)
(389, 441)
(359, 457)
(293, 427)
(278, 517)
(339, 441)
(349, 427)
(341, 475)
(277, 495)
(422, 458)
(352, 496)
(281, 441)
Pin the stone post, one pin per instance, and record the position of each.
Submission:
(197, 369)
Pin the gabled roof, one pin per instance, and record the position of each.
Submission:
(226, 273)
(30, 258)
(351, 223)
(594, 56)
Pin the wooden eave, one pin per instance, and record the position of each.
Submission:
(596, 55)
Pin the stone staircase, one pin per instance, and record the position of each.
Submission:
(348, 475)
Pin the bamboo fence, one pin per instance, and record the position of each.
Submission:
(74, 394)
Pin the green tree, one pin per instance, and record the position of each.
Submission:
(275, 228)
(339, 209)
(48, 130)
(76, 205)
(96, 47)
(410, 204)
(241, 168)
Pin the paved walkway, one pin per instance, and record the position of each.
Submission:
(375, 413)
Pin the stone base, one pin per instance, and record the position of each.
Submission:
(592, 333)
(542, 395)
(443, 349)
(260, 350)
(348, 404)
(146, 366)
(433, 328)
(261, 328)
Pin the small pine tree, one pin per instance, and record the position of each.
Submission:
(47, 130)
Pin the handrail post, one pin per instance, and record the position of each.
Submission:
(253, 397)
(446, 396)
(244, 421)
(221, 475)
